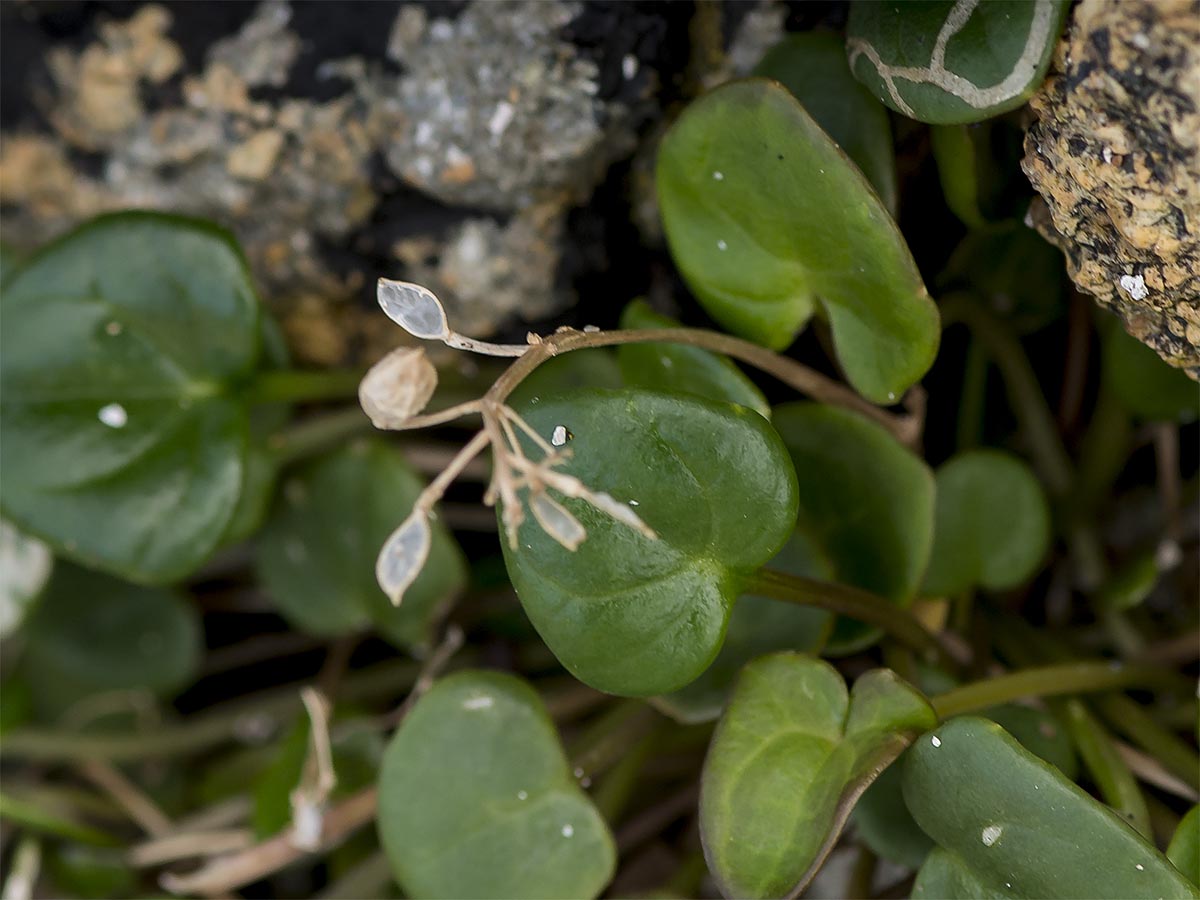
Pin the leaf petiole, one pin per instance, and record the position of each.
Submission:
(303, 385)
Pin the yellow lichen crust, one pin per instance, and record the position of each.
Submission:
(1115, 155)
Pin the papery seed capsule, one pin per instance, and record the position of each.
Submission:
(397, 387)
(403, 556)
(414, 308)
(556, 521)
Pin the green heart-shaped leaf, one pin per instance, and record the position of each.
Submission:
(680, 368)
(476, 798)
(1184, 849)
(765, 216)
(635, 616)
(812, 65)
(567, 373)
(792, 753)
(262, 463)
(865, 500)
(91, 633)
(1012, 270)
(316, 555)
(883, 820)
(124, 445)
(993, 524)
(1146, 385)
(948, 61)
(757, 626)
(1010, 825)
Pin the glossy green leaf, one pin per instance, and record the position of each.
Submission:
(791, 755)
(1015, 827)
(476, 798)
(680, 368)
(262, 463)
(865, 500)
(979, 167)
(1130, 584)
(1184, 849)
(812, 65)
(567, 373)
(92, 633)
(635, 616)
(25, 566)
(883, 821)
(1012, 270)
(954, 152)
(948, 61)
(316, 555)
(122, 348)
(993, 524)
(757, 626)
(767, 220)
(1146, 385)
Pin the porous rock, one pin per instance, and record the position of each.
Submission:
(1115, 156)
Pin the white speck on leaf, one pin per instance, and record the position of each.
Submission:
(634, 503)
(522, 795)
(558, 437)
(718, 176)
(936, 741)
(1140, 867)
(113, 415)
(990, 835)
(567, 831)
(721, 245)
(483, 701)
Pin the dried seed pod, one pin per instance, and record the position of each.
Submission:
(398, 387)
(415, 309)
(403, 556)
(556, 521)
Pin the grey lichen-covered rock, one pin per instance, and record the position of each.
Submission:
(496, 109)
(1115, 155)
(493, 109)
(488, 270)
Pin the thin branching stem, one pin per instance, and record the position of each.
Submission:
(807, 381)
(853, 602)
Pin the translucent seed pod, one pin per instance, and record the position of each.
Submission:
(403, 556)
(397, 387)
(556, 521)
(414, 308)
